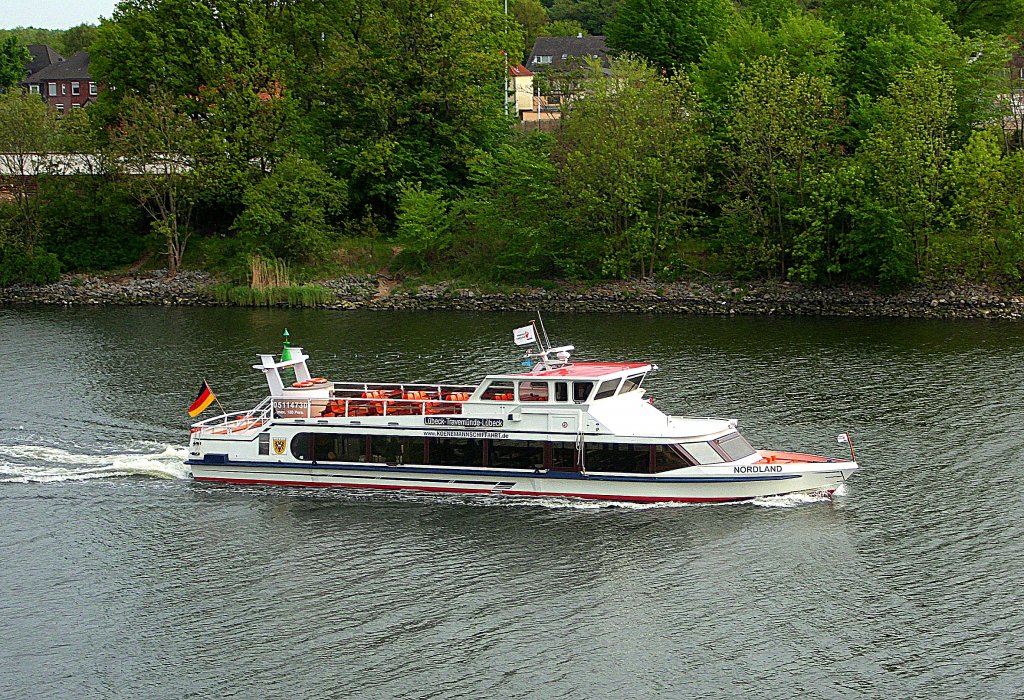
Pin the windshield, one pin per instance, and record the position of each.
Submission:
(736, 446)
(703, 452)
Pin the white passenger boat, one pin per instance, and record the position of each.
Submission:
(561, 428)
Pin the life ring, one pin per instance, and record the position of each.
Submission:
(319, 380)
(302, 385)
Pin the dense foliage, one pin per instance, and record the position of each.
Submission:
(66, 42)
(826, 141)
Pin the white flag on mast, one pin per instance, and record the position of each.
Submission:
(525, 335)
(842, 438)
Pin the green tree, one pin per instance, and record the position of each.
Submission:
(13, 59)
(780, 133)
(883, 39)
(77, 38)
(670, 34)
(985, 236)
(28, 132)
(424, 225)
(905, 159)
(288, 213)
(109, 232)
(32, 35)
(993, 16)
(175, 46)
(511, 214)
(632, 154)
(410, 95)
(592, 15)
(563, 27)
(228, 63)
(532, 18)
(772, 12)
(158, 150)
(801, 43)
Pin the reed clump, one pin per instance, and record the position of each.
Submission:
(306, 295)
(270, 285)
(268, 273)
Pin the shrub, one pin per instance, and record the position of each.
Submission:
(35, 268)
(286, 214)
(91, 223)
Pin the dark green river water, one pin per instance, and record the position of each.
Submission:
(120, 578)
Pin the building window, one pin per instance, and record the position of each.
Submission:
(75, 89)
(60, 108)
(34, 89)
(542, 59)
(53, 89)
(63, 89)
(92, 88)
(76, 106)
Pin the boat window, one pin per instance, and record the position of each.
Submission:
(607, 389)
(455, 452)
(516, 454)
(703, 452)
(608, 457)
(563, 457)
(668, 457)
(302, 446)
(339, 447)
(736, 446)
(396, 450)
(581, 391)
(499, 391)
(561, 391)
(533, 391)
(632, 383)
(264, 443)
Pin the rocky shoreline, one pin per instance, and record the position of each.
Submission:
(191, 288)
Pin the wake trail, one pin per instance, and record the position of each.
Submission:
(46, 464)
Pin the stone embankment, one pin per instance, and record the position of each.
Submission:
(717, 298)
(187, 288)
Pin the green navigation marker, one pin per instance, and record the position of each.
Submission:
(286, 352)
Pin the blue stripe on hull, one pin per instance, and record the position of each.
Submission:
(498, 473)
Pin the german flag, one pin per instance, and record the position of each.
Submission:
(203, 401)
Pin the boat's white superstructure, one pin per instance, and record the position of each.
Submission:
(561, 429)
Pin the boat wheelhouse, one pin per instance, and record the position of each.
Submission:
(562, 428)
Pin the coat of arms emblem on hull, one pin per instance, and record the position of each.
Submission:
(279, 444)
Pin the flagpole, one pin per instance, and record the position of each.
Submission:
(849, 441)
(215, 396)
(547, 341)
(537, 336)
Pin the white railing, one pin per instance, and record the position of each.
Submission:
(239, 421)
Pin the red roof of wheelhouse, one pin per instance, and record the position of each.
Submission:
(589, 370)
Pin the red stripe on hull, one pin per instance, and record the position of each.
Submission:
(447, 489)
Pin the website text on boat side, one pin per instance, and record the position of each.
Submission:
(554, 428)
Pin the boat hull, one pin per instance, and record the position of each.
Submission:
(700, 488)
